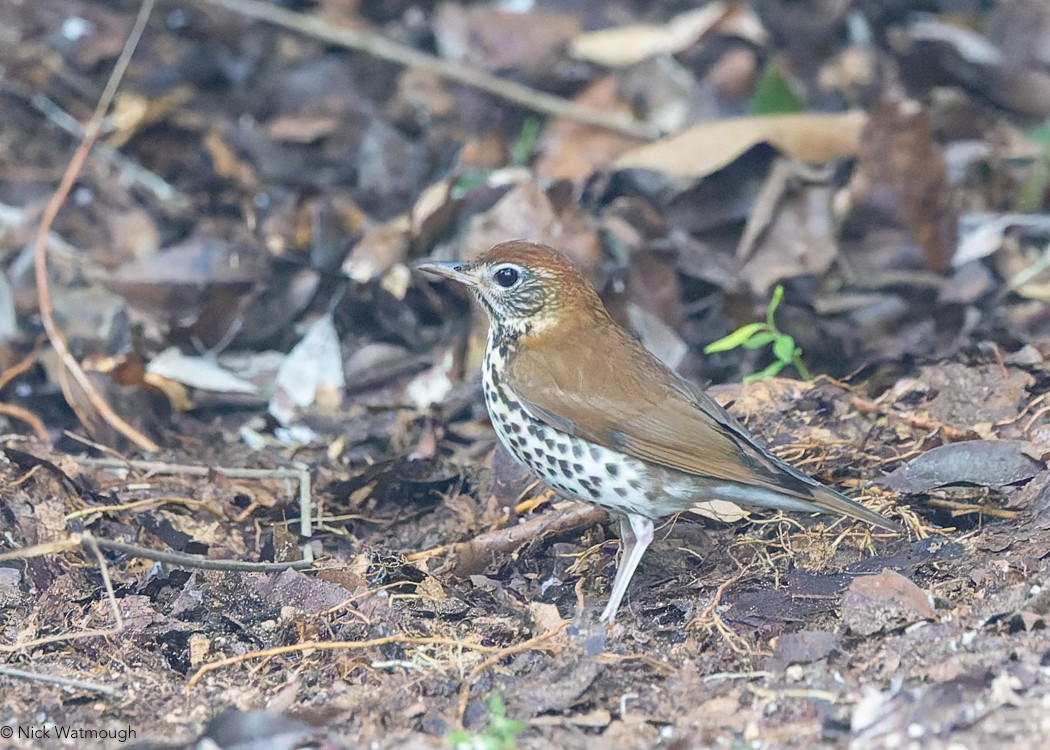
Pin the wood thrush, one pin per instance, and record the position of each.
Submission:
(593, 414)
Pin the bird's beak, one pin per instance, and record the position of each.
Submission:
(456, 270)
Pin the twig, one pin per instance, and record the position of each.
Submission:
(13, 216)
(35, 423)
(961, 509)
(165, 193)
(13, 410)
(719, 676)
(193, 470)
(54, 334)
(950, 433)
(500, 655)
(22, 365)
(364, 40)
(63, 681)
(75, 541)
(118, 619)
(334, 646)
(769, 694)
(509, 538)
(92, 510)
(734, 641)
(92, 544)
(301, 475)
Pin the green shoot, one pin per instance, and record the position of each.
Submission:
(757, 335)
(774, 95)
(520, 151)
(522, 148)
(501, 733)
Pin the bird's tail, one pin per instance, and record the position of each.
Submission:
(794, 492)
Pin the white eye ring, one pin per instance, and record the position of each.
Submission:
(506, 277)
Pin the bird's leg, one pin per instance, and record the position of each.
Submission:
(627, 537)
(637, 534)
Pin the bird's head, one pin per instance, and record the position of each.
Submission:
(523, 286)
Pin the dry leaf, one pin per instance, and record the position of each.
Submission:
(571, 150)
(812, 138)
(900, 170)
(626, 45)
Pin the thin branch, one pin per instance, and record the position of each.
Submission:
(335, 646)
(36, 424)
(494, 659)
(364, 40)
(181, 559)
(62, 681)
(54, 333)
(165, 193)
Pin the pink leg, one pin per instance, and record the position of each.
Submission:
(637, 534)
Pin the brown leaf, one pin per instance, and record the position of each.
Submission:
(627, 45)
(574, 151)
(813, 138)
(900, 171)
(887, 599)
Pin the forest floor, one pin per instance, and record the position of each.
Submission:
(231, 272)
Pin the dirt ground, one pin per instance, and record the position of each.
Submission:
(296, 529)
(784, 633)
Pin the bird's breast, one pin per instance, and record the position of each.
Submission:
(572, 466)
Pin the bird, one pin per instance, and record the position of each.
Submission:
(592, 413)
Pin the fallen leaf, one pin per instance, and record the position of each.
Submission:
(626, 45)
(986, 463)
(901, 171)
(809, 137)
(885, 600)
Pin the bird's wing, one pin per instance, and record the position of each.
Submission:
(603, 386)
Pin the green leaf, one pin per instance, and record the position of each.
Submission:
(760, 339)
(778, 295)
(770, 370)
(735, 339)
(522, 148)
(1041, 133)
(803, 371)
(467, 182)
(784, 348)
(1030, 197)
(773, 94)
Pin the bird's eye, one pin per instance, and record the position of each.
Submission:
(506, 277)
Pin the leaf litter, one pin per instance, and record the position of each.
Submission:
(357, 564)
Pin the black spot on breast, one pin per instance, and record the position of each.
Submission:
(513, 405)
(549, 442)
(635, 484)
(563, 465)
(596, 481)
(594, 451)
(577, 450)
(620, 490)
(578, 468)
(550, 459)
(563, 448)
(613, 469)
(534, 429)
